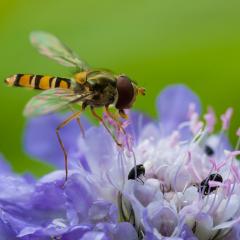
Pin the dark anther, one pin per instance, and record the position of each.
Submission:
(204, 185)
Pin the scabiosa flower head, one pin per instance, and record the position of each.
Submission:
(174, 178)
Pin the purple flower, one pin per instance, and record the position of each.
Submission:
(45, 209)
(190, 189)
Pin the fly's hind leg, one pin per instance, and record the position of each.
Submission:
(106, 127)
(63, 124)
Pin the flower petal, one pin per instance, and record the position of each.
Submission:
(162, 218)
(204, 224)
(228, 209)
(76, 232)
(120, 231)
(6, 232)
(102, 211)
(186, 233)
(173, 106)
(99, 149)
(138, 121)
(94, 235)
(15, 189)
(4, 166)
(124, 231)
(141, 195)
(40, 138)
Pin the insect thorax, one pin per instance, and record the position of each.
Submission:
(103, 86)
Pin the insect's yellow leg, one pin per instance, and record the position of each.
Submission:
(106, 127)
(79, 123)
(63, 124)
(115, 118)
(81, 126)
(123, 114)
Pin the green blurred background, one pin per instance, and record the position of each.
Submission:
(156, 42)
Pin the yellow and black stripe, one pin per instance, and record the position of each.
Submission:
(38, 81)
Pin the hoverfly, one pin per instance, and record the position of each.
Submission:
(88, 87)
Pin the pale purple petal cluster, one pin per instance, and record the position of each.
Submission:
(170, 201)
(46, 210)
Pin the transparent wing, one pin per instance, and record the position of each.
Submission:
(52, 100)
(50, 46)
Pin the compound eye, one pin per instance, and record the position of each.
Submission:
(125, 92)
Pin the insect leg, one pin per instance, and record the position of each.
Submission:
(81, 126)
(140, 180)
(123, 114)
(115, 118)
(63, 124)
(79, 123)
(104, 124)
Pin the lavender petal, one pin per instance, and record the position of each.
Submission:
(173, 105)
(40, 138)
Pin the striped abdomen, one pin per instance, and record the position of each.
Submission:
(38, 81)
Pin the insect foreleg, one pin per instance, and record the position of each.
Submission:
(115, 118)
(106, 127)
(63, 124)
